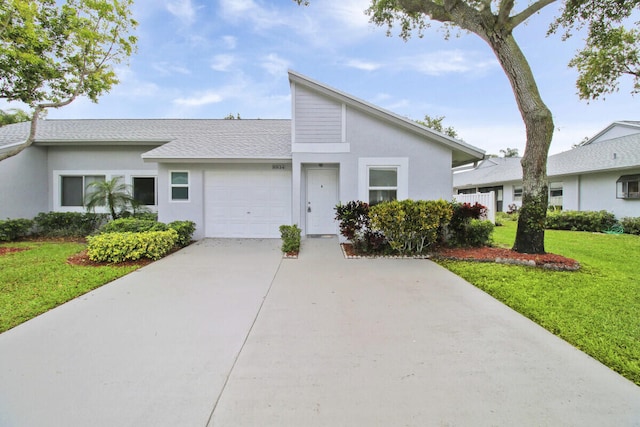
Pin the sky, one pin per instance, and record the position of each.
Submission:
(209, 59)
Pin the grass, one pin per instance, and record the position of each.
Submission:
(39, 279)
(596, 309)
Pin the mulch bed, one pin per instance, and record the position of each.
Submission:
(5, 251)
(491, 254)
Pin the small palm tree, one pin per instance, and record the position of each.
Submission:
(112, 193)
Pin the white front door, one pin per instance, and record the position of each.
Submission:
(322, 197)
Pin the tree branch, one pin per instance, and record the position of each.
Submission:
(529, 11)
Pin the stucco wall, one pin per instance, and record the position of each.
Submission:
(24, 184)
(192, 210)
(598, 192)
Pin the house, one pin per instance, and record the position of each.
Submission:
(237, 178)
(602, 173)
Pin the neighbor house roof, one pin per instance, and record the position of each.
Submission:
(614, 154)
(462, 152)
(178, 139)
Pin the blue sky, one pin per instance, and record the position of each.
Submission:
(206, 59)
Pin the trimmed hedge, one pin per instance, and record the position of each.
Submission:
(68, 224)
(120, 247)
(133, 225)
(631, 225)
(13, 229)
(290, 238)
(185, 230)
(410, 226)
(580, 220)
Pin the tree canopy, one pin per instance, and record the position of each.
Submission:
(13, 115)
(52, 53)
(436, 123)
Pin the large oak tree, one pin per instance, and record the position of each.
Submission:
(52, 52)
(494, 22)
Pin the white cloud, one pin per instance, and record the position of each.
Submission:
(222, 62)
(349, 13)
(363, 65)
(167, 69)
(275, 65)
(230, 42)
(198, 100)
(183, 10)
(447, 62)
(260, 16)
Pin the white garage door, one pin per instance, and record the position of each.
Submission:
(247, 200)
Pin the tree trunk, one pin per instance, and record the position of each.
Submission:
(32, 136)
(539, 129)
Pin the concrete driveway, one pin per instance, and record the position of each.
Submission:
(226, 333)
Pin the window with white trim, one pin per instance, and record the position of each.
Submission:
(517, 193)
(75, 188)
(179, 186)
(383, 184)
(628, 187)
(144, 190)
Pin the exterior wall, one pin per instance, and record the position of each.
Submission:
(598, 192)
(571, 193)
(108, 160)
(616, 132)
(24, 184)
(191, 210)
(317, 119)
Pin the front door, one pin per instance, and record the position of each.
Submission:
(322, 197)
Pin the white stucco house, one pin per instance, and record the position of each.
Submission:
(237, 178)
(602, 173)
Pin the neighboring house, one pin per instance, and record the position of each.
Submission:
(237, 178)
(602, 173)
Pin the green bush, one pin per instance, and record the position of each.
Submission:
(290, 238)
(410, 226)
(120, 247)
(580, 220)
(68, 224)
(478, 233)
(631, 225)
(133, 225)
(12, 229)
(185, 230)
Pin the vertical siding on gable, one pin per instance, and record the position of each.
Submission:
(317, 119)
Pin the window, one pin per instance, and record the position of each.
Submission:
(180, 186)
(628, 187)
(383, 185)
(467, 191)
(144, 190)
(74, 189)
(517, 193)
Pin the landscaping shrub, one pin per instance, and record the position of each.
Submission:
(580, 220)
(354, 218)
(68, 224)
(631, 225)
(185, 230)
(355, 225)
(290, 238)
(467, 227)
(120, 247)
(133, 225)
(12, 229)
(410, 226)
(478, 233)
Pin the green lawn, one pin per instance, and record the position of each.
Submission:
(597, 308)
(36, 280)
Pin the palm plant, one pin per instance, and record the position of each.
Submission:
(113, 194)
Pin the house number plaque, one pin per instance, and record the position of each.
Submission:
(278, 167)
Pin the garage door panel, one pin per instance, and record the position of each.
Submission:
(247, 201)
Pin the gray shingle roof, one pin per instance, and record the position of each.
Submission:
(614, 154)
(180, 138)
